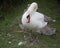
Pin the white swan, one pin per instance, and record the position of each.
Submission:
(33, 20)
(36, 18)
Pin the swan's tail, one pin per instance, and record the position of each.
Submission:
(48, 19)
(47, 31)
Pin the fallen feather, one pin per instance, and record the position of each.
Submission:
(54, 20)
(9, 42)
(20, 43)
(9, 35)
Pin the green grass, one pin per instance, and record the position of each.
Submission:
(9, 28)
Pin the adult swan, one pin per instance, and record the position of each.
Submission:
(34, 20)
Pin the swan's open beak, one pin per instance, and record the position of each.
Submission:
(28, 19)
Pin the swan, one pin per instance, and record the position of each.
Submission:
(34, 20)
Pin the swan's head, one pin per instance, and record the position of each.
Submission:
(31, 9)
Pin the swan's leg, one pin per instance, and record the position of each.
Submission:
(29, 36)
(33, 38)
(36, 39)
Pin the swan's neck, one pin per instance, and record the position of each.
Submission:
(33, 7)
(24, 17)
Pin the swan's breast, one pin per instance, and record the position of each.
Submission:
(36, 21)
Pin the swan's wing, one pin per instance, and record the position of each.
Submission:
(37, 16)
(47, 19)
(38, 19)
(43, 17)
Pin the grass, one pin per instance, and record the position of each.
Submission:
(9, 28)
